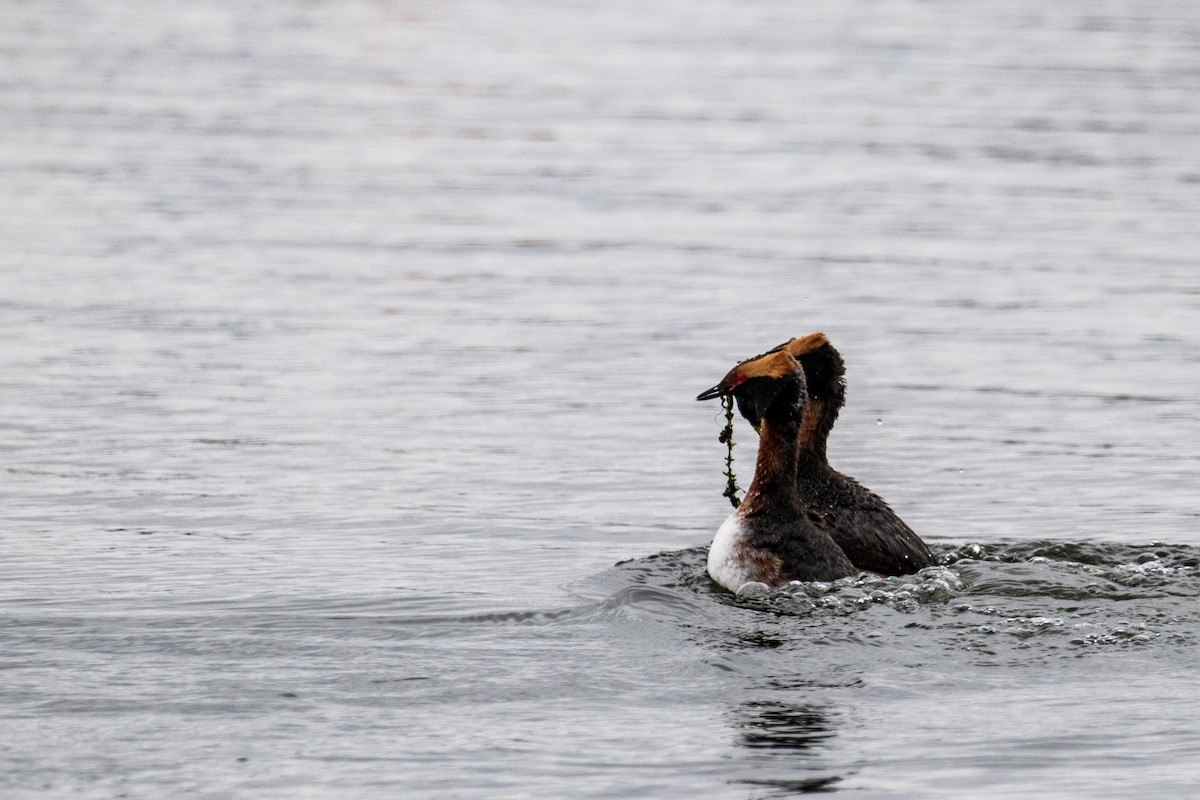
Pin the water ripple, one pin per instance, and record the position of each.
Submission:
(988, 598)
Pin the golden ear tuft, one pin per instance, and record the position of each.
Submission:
(806, 344)
(779, 364)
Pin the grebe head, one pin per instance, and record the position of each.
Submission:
(755, 384)
(823, 373)
(823, 367)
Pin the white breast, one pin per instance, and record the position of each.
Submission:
(727, 564)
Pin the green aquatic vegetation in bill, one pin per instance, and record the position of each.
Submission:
(726, 438)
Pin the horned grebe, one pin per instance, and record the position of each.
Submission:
(772, 538)
(861, 523)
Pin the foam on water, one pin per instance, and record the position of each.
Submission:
(1037, 597)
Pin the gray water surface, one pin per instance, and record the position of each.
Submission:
(347, 356)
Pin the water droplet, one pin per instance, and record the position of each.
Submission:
(879, 422)
(753, 589)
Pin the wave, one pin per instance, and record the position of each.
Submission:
(990, 598)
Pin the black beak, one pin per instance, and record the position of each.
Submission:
(710, 394)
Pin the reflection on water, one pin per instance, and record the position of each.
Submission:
(769, 724)
(787, 739)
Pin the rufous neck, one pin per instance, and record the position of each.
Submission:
(819, 417)
(778, 457)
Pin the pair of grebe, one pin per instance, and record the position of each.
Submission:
(802, 520)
